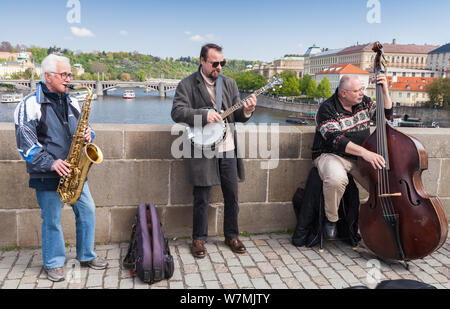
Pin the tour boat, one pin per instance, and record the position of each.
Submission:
(12, 98)
(128, 94)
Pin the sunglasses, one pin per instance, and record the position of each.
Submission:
(216, 63)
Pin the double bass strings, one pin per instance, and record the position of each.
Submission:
(383, 182)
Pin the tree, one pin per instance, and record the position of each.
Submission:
(311, 89)
(308, 86)
(439, 92)
(141, 76)
(86, 76)
(290, 87)
(6, 47)
(38, 53)
(324, 89)
(97, 67)
(125, 77)
(248, 81)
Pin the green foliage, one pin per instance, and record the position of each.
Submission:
(248, 81)
(439, 93)
(138, 66)
(308, 86)
(141, 76)
(323, 89)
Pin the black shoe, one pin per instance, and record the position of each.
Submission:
(330, 230)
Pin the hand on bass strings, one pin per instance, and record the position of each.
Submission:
(374, 159)
(61, 167)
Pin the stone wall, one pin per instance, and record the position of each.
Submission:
(139, 168)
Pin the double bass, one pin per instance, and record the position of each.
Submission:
(400, 221)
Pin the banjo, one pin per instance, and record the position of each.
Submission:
(213, 134)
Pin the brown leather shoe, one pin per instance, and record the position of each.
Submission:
(198, 248)
(236, 245)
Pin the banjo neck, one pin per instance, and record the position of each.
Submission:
(234, 108)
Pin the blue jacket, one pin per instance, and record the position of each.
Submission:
(41, 137)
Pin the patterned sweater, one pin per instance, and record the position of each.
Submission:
(336, 127)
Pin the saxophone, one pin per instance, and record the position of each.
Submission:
(81, 156)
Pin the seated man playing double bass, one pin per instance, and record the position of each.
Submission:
(342, 125)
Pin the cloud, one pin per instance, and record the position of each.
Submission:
(123, 32)
(199, 38)
(82, 32)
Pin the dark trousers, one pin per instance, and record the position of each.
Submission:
(229, 184)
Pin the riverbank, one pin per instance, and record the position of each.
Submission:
(426, 115)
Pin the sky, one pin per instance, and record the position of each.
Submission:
(247, 29)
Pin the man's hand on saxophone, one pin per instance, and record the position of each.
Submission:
(87, 134)
(61, 167)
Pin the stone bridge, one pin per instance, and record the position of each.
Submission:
(100, 87)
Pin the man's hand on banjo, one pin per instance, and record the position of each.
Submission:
(250, 104)
(213, 117)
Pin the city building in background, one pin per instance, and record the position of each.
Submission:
(334, 74)
(439, 60)
(294, 63)
(405, 91)
(405, 56)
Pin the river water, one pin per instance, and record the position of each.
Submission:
(146, 108)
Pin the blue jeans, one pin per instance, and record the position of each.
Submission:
(53, 249)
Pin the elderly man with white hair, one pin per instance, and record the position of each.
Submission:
(45, 122)
(342, 125)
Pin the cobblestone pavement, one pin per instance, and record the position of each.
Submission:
(272, 262)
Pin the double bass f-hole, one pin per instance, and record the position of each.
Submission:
(408, 190)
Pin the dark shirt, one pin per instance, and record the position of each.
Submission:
(336, 126)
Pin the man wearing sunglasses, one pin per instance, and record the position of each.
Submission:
(343, 124)
(196, 97)
(45, 122)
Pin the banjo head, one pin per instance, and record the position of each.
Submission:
(207, 137)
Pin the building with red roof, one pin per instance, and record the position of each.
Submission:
(334, 74)
(405, 91)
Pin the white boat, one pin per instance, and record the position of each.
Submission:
(128, 94)
(12, 98)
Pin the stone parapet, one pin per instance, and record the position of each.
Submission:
(139, 167)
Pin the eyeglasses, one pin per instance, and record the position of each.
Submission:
(356, 91)
(64, 75)
(216, 63)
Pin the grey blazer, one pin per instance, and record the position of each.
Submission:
(191, 99)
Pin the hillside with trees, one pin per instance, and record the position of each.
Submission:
(126, 65)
